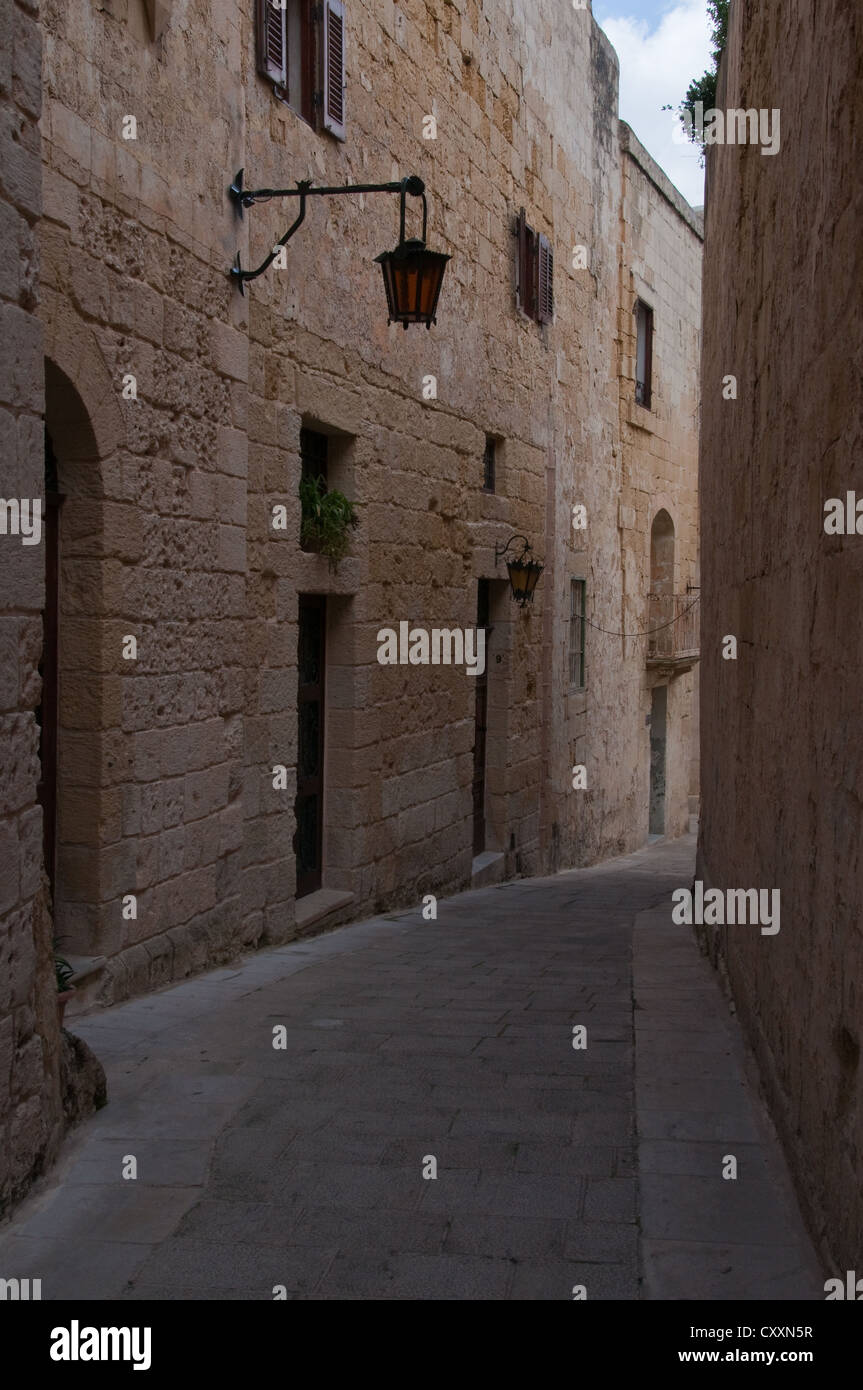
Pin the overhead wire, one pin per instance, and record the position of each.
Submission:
(648, 631)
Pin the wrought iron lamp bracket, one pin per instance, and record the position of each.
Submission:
(243, 198)
(501, 550)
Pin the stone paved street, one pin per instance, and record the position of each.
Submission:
(406, 1039)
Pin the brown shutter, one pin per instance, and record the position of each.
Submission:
(545, 285)
(272, 41)
(334, 68)
(520, 231)
(643, 353)
(522, 263)
(648, 360)
(305, 101)
(532, 273)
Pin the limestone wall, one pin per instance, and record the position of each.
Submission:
(167, 759)
(174, 405)
(136, 239)
(30, 1105)
(781, 756)
(660, 264)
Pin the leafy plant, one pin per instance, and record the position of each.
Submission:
(703, 88)
(64, 973)
(327, 519)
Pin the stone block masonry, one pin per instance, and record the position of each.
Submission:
(40, 1085)
(178, 416)
(781, 723)
(30, 1105)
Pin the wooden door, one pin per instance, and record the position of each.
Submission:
(311, 662)
(480, 725)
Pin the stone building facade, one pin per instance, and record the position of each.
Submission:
(234, 764)
(30, 1108)
(660, 267)
(781, 759)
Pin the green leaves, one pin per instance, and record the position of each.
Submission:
(703, 88)
(718, 11)
(327, 520)
(64, 973)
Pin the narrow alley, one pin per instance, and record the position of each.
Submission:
(304, 1170)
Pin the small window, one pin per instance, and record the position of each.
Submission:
(526, 267)
(314, 454)
(483, 604)
(577, 627)
(534, 273)
(301, 50)
(314, 468)
(643, 353)
(489, 460)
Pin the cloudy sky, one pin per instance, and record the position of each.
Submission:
(662, 45)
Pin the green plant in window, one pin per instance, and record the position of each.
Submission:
(327, 520)
(64, 972)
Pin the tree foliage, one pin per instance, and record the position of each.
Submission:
(703, 88)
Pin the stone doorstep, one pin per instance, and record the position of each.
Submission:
(85, 966)
(86, 971)
(487, 868)
(316, 906)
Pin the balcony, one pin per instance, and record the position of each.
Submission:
(673, 640)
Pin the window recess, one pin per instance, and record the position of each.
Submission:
(301, 51)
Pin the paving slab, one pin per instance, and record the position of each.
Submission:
(717, 1211)
(428, 1130)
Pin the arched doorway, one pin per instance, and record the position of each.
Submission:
(70, 712)
(47, 713)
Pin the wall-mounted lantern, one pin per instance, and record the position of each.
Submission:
(413, 275)
(524, 571)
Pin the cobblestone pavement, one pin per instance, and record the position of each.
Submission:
(405, 1041)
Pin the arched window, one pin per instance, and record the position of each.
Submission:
(662, 555)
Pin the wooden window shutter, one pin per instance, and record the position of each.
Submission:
(272, 41)
(524, 264)
(521, 238)
(545, 286)
(643, 353)
(648, 383)
(334, 68)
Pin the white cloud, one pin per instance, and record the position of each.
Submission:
(656, 67)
